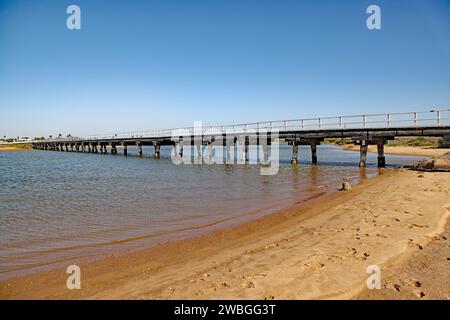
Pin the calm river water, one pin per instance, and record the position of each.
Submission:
(58, 208)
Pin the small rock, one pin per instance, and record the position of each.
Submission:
(346, 186)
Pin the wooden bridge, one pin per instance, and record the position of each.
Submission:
(363, 130)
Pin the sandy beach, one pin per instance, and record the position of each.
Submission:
(403, 150)
(318, 249)
(15, 147)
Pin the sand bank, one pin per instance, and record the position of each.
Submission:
(318, 249)
(14, 147)
(403, 150)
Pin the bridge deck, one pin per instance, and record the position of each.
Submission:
(363, 130)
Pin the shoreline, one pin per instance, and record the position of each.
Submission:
(402, 150)
(282, 255)
(15, 147)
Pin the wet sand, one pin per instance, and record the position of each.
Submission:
(314, 250)
(403, 150)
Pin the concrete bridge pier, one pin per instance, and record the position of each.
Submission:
(265, 150)
(177, 152)
(363, 153)
(113, 148)
(294, 153)
(125, 149)
(139, 146)
(208, 154)
(381, 157)
(245, 143)
(228, 143)
(157, 150)
(198, 153)
(313, 152)
(228, 154)
(67, 147)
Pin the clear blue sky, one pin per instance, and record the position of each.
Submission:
(162, 64)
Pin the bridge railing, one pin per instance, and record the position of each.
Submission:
(430, 118)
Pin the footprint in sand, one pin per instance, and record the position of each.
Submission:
(228, 269)
(212, 287)
(247, 285)
(313, 265)
(419, 294)
(412, 243)
(276, 243)
(171, 290)
(254, 276)
(271, 246)
(248, 252)
(364, 256)
(352, 251)
(415, 225)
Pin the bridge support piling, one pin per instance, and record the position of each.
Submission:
(139, 146)
(265, 149)
(228, 154)
(363, 153)
(245, 143)
(294, 153)
(381, 157)
(125, 149)
(178, 152)
(113, 149)
(198, 157)
(157, 150)
(314, 153)
(208, 154)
